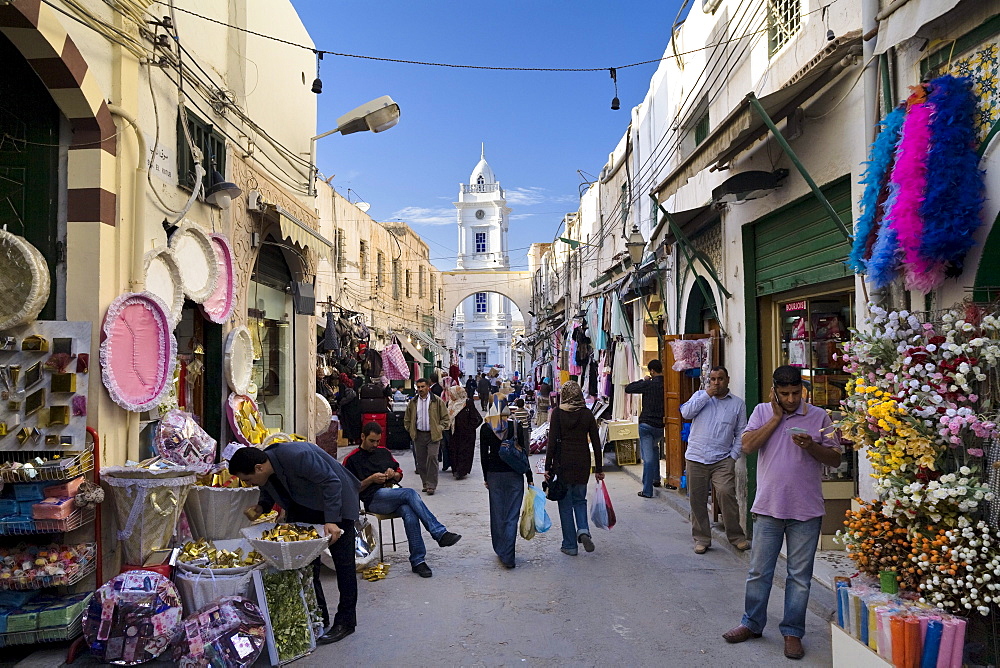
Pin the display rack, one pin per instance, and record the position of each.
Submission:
(79, 518)
(51, 634)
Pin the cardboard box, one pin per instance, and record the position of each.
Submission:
(623, 430)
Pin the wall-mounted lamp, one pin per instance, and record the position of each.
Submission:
(636, 245)
(377, 116)
(222, 192)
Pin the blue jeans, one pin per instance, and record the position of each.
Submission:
(506, 493)
(572, 507)
(411, 508)
(650, 451)
(802, 537)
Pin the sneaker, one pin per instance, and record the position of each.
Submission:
(585, 539)
(423, 570)
(448, 539)
(700, 549)
(566, 550)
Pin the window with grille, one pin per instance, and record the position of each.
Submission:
(408, 292)
(701, 129)
(379, 269)
(480, 242)
(784, 18)
(363, 260)
(480, 302)
(480, 360)
(433, 286)
(341, 249)
(420, 281)
(395, 279)
(212, 145)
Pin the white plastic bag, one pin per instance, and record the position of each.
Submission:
(602, 513)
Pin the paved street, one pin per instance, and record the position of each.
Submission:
(643, 598)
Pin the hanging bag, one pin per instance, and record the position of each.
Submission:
(602, 513)
(555, 489)
(514, 456)
(542, 521)
(526, 527)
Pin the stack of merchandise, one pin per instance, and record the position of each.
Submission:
(34, 566)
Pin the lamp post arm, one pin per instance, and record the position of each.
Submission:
(312, 159)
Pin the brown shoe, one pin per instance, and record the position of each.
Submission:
(430, 492)
(740, 634)
(742, 546)
(700, 549)
(793, 647)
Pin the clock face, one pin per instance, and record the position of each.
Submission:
(480, 214)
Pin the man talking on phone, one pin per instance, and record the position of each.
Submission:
(312, 487)
(795, 440)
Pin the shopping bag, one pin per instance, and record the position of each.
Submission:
(602, 513)
(527, 524)
(542, 521)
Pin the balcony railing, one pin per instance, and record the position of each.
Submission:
(482, 188)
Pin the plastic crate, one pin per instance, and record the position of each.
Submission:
(627, 452)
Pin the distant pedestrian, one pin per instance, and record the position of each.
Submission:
(542, 402)
(520, 413)
(571, 425)
(485, 392)
(506, 487)
(718, 418)
(795, 440)
(470, 386)
(650, 424)
(426, 417)
(465, 420)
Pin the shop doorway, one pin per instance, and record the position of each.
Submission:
(30, 178)
(271, 320)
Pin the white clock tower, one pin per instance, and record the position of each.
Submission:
(483, 322)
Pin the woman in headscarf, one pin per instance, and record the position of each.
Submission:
(465, 419)
(568, 456)
(542, 402)
(506, 488)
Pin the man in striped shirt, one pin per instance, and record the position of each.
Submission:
(520, 413)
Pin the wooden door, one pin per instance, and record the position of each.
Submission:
(677, 388)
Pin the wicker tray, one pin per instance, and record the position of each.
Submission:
(286, 556)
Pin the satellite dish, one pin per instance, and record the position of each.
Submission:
(364, 206)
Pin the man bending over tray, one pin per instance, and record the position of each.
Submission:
(378, 472)
(313, 488)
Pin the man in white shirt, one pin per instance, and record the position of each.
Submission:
(718, 418)
(426, 418)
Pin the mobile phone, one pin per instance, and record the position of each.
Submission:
(796, 430)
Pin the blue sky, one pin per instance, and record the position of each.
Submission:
(539, 127)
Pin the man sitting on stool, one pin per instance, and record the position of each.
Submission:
(378, 472)
(313, 488)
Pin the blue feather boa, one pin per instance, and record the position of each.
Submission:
(880, 159)
(883, 265)
(954, 198)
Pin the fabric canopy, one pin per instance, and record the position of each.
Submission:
(433, 345)
(411, 350)
(907, 21)
(302, 235)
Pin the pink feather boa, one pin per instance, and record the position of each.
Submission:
(909, 180)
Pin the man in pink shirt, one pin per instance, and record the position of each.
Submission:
(795, 440)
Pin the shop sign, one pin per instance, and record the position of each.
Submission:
(795, 306)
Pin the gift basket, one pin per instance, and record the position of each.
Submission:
(227, 633)
(287, 546)
(132, 618)
(147, 504)
(181, 440)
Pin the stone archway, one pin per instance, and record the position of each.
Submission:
(460, 285)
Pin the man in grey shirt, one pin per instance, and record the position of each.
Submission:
(718, 418)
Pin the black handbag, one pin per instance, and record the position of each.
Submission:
(555, 489)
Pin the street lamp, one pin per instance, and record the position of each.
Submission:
(635, 245)
(378, 115)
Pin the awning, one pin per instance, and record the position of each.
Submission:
(429, 341)
(744, 126)
(413, 352)
(644, 284)
(691, 222)
(907, 21)
(301, 234)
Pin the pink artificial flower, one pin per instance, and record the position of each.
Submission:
(975, 452)
(973, 398)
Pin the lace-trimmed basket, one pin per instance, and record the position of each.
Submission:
(147, 506)
(286, 556)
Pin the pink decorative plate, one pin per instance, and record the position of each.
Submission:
(219, 305)
(138, 351)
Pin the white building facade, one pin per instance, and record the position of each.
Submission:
(485, 321)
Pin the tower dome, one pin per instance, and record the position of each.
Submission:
(483, 173)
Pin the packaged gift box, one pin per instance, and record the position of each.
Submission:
(8, 507)
(62, 611)
(28, 491)
(53, 509)
(65, 489)
(22, 619)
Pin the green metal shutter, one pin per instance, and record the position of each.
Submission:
(800, 245)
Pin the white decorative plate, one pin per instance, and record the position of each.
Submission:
(219, 305)
(239, 360)
(196, 260)
(163, 279)
(24, 281)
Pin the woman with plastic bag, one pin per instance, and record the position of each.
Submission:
(506, 487)
(571, 425)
